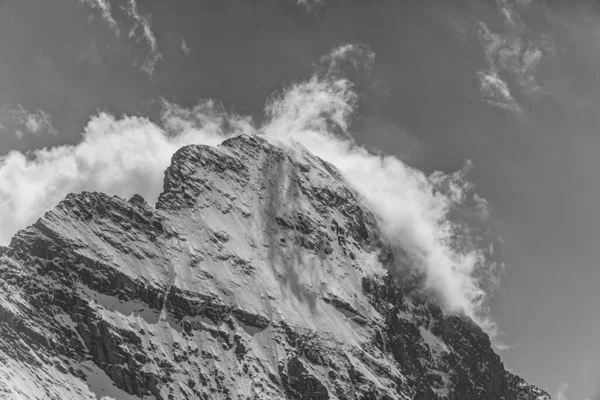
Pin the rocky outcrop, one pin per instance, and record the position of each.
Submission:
(258, 275)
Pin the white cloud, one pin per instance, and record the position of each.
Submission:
(142, 22)
(510, 55)
(184, 47)
(117, 156)
(310, 5)
(561, 393)
(495, 91)
(208, 120)
(414, 209)
(499, 346)
(105, 11)
(356, 56)
(126, 155)
(139, 23)
(26, 122)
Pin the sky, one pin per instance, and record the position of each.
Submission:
(97, 94)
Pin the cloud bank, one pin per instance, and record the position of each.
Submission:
(128, 155)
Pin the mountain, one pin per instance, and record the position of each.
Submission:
(260, 274)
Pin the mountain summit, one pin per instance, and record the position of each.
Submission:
(258, 275)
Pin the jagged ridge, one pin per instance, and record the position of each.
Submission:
(256, 276)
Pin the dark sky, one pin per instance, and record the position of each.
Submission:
(512, 85)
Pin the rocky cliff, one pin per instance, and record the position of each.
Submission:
(258, 275)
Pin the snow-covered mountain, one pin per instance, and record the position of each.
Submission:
(259, 275)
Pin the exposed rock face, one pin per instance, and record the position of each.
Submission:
(256, 276)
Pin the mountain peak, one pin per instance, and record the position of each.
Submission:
(257, 275)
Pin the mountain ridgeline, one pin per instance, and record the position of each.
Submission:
(258, 275)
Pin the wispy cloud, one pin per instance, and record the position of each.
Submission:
(142, 23)
(105, 11)
(499, 346)
(208, 117)
(355, 56)
(512, 58)
(184, 47)
(24, 122)
(139, 26)
(561, 393)
(495, 91)
(310, 5)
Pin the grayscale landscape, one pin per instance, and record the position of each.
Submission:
(299, 199)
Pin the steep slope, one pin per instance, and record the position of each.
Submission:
(257, 276)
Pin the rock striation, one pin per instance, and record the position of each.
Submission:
(258, 275)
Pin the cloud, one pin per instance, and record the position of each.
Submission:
(208, 120)
(495, 91)
(310, 5)
(561, 393)
(184, 47)
(511, 55)
(140, 29)
(354, 56)
(24, 122)
(142, 22)
(105, 11)
(499, 346)
(416, 211)
(120, 156)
